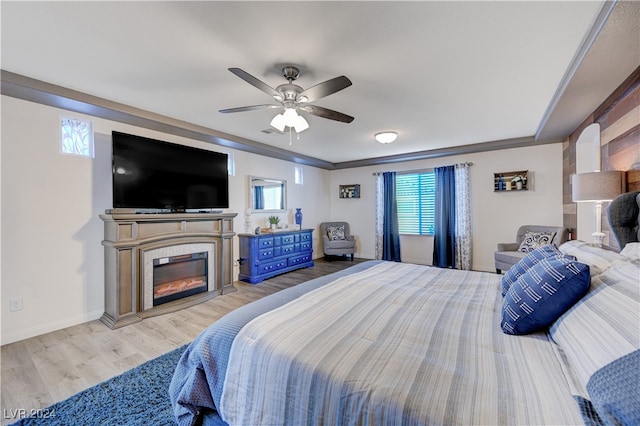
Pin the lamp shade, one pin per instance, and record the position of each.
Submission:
(596, 186)
(278, 122)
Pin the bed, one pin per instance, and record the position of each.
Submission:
(402, 344)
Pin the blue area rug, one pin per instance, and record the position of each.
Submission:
(137, 397)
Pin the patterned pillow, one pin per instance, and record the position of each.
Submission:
(533, 240)
(543, 293)
(336, 233)
(526, 263)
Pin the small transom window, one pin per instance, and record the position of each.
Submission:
(76, 137)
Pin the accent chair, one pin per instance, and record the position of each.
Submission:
(337, 239)
(528, 237)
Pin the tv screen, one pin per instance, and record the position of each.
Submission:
(152, 174)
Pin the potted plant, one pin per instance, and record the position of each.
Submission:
(274, 221)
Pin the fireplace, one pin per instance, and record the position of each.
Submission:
(176, 272)
(133, 240)
(180, 276)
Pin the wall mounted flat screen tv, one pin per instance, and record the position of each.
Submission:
(152, 174)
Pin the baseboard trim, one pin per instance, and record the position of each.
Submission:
(27, 333)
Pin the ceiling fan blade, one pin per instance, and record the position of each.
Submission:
(254, 81)
(249, 108)
(326, 88)
(328, 113)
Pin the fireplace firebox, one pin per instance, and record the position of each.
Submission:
(175, 277)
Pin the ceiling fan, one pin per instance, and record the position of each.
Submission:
(294, 98)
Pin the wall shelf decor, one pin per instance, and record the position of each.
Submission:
(511, 181)
(350, 191)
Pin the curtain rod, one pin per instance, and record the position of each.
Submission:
(468, 163)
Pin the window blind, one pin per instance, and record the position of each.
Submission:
(415, 198)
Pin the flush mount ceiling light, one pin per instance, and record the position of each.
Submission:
(386, 137)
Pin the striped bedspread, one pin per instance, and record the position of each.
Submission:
(395, 344)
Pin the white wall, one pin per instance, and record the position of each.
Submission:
(52, 255)
(496, 216)
(51, 252)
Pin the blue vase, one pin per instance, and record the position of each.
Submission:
(298, 217)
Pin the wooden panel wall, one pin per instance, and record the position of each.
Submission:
(619, 119)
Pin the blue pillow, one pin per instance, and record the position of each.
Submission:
(543, 293)
(523, 265)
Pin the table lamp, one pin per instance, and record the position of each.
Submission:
(597, 187)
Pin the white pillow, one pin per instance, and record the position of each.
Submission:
(597, 258)
(631, 250)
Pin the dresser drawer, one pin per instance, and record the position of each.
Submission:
(266, 253)
(288, 239)
(306, 246)
(306, 237)
(283, 250)
(265, 242)
(286, 250)
(299, 259)
(272, 266)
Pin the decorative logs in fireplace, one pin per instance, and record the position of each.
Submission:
(196, 249)
(175, 277)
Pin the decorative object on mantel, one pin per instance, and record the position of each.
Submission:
(298, 217)
(350, 191)
(597, 187)
(511, 181)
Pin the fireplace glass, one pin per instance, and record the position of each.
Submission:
(180, 276)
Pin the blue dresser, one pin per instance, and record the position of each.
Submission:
(266, 255)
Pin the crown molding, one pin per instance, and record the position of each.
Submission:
(29, 89)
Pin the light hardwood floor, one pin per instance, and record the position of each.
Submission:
(42, 370)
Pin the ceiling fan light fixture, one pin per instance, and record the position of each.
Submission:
(290, 117)
(301, 124)
(278, 122)
(386, 137)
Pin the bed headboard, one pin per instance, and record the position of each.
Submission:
(624, 218)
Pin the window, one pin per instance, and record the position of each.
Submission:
(231, 164)
(76, 137)
(415, 195)
(298, 176)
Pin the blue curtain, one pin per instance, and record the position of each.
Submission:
(390, 234)
(259, 197)
(444, 218)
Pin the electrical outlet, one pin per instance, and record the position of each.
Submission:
(15, 304)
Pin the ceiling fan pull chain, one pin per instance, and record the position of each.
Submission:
(290, 136)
